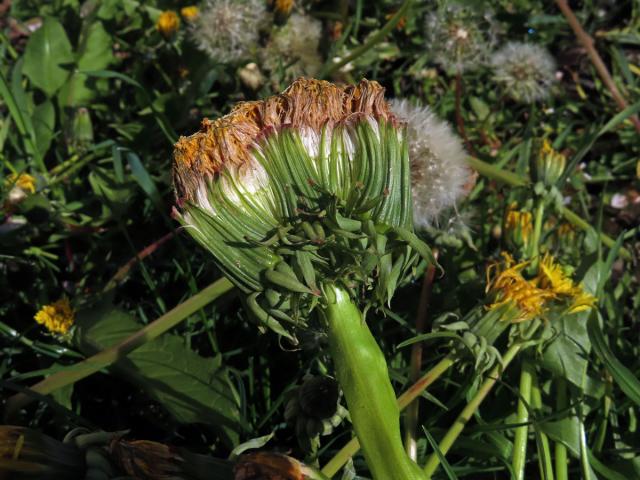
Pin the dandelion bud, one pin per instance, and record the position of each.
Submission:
(168, 23)
(548, 164)
(518, 227)
(190, 13)
(525, 71)
(439, 173)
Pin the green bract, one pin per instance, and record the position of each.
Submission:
(310, 208)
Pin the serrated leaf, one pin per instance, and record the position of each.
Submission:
(193, 389)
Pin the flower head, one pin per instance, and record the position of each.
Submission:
(292, 193)
(228, 30)
(526, 71)
(518, 226)
(439, 172)
(459, 37)
(23, 181)
(548, 164)
(506, 282)
(168, 23)
(190, 13)
(553, 277)
(283, 7)
(57, 317)
(294, 47)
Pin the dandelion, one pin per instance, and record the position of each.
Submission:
(168, 23)
(294, 47)
(23, 181)
(554, 278)
(190, 13)
(518, 227)
(439, 172)
(283, 7)
(506, 282)
(57, 317)
(304, 201)
(228, 30)
(458, 37)
(548, 164)
(526, 71)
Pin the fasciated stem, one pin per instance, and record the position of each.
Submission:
(522, 432)
(456, 429)
(362, 372)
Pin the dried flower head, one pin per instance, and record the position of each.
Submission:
(228, 30)
(439, 172)
(526, 71)
(293, 48)
(292, 192)
(168, 23)
(459, 37)
(190, 13)
(57, 317)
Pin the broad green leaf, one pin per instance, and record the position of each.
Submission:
(94, 53)
(47, 52)
(193, 389)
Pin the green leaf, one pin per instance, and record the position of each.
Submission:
(44, 122)
(625, 379)
(94, 54)
(193, 389)
(567, 354)
(47, 51)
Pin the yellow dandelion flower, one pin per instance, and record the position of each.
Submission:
(552, 277)
(190, 13)
(24, 181)
(505, 281)
(549, 164)
(518, 226)
(168, 23)
(57, 317)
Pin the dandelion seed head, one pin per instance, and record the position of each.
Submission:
(526, 71)
(294, 47)
(459, 37)
(438, 168)
(228, 30)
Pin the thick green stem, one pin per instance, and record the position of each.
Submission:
(560, 449)
(520, 442)
(456, 429)
(534, 252)
(362, 372)
(544, 452)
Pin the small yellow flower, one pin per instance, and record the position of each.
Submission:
(549, 164)
(23, 180)
(284, 7)
(190, 13)
(518, 227)
(57, 317)
(506, 282)
(168, 23)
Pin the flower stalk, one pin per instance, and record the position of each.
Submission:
(362, 371)
(522, 417)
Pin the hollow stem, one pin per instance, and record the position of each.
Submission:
(454, 431)
(534, 252)
(522, 432)
(544, 451)
(362, 372)
(560, 450)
